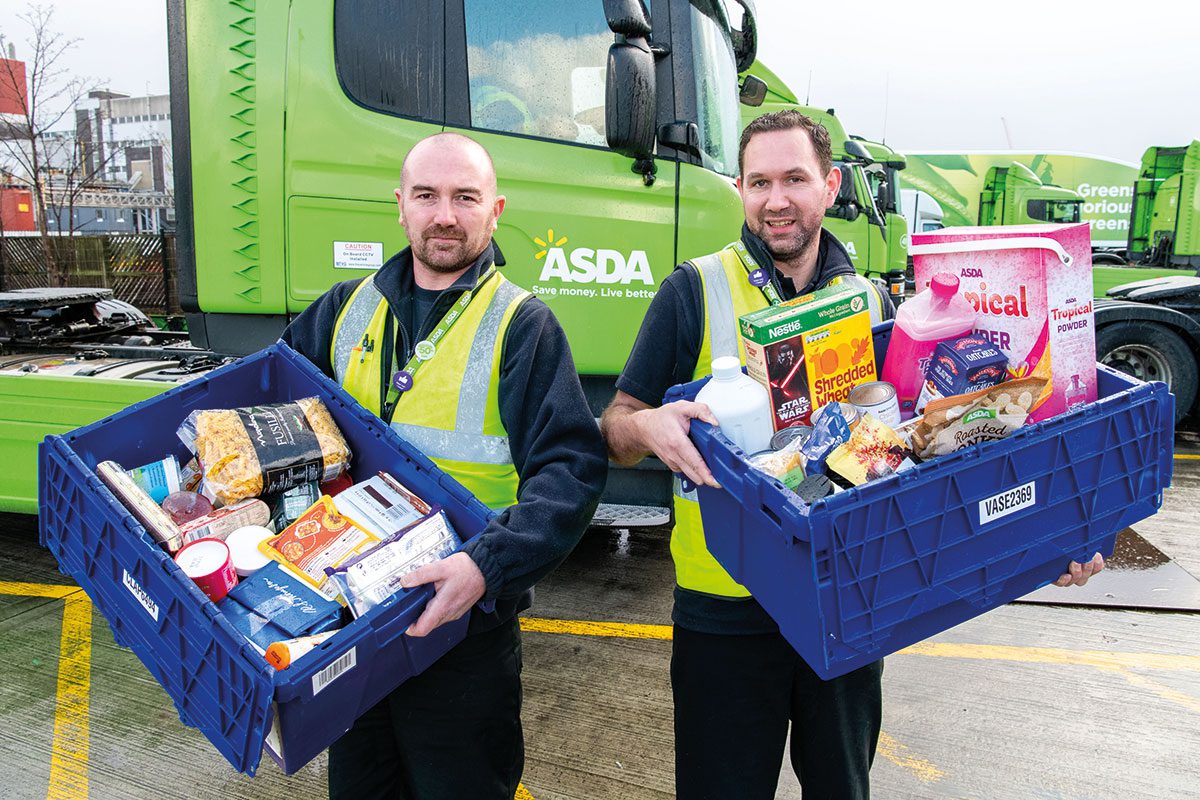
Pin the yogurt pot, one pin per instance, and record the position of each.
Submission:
(208, 564)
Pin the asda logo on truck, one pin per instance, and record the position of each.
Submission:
(590, 265)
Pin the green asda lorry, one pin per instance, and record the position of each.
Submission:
(1013, 195)
(1164, 226)
(883, 177)
(614, 132)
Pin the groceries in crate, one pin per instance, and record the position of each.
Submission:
(158, 478)
(244, 549)
(831, 429)
(873, 451)
(936, 314)
(809, 351)
(381, 505)
(208, 564)
(183, 506)
(740, 404)
(275, 604)
(322, 537)
(984, 416)
(1031, 289)
(287, 506)
(249, 452)
(280, 655)
(961, 366)
(878, 398)
(367, 580)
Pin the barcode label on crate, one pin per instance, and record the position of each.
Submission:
(1007, 502)
(139, 594)
(335, 670)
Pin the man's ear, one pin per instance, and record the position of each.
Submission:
(499, 209)
(833, 183)
(400, 204)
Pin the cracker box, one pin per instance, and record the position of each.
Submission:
(810, 350)
(961, 366)
(1032, 287)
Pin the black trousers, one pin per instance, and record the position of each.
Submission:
(450, 733)
(734, 697)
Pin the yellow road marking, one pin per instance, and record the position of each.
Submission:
(1187, 456)
(1050, 655)
(69, 749)
(37, 589)
(620, 630)
(901, 756)
(522, 793)
(1165, 692)
(988, 652)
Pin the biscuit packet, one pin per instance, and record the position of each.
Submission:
(873, 451)
(988, 415)
(320, 538)
(249, 452)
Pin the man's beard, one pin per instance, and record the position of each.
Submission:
(788, 249)
(445, 260)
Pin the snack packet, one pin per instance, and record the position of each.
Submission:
(367, 580)
(987, 415)
(320, 538)
(786, 463)
(873, 451)
(830, 430)
(248, 452)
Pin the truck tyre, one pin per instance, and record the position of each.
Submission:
(1107, 260)
(1151, 352)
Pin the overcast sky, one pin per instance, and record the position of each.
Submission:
(931, 75)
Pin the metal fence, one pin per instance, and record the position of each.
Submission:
(138, 267)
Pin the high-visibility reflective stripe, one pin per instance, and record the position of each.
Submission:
(722, 323)
(354, 322)
(677, 490)
(473, 395)
(457, 445)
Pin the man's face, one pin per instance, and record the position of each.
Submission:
(448, 204)
(784, 192)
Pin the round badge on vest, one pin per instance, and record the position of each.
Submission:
(759, 278)
(424, 350)
(402, 381)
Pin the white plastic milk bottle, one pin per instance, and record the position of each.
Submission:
(932, 316)
(740, 404)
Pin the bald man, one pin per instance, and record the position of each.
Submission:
(476, 373)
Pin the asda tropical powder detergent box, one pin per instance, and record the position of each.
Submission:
(1032, 288)
(810, 350)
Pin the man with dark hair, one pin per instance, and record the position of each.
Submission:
(737, 683)
(477, 374)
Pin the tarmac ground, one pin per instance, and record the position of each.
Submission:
(1078, 694)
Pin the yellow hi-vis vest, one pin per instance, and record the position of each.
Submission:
(728, 294)
(452, 412)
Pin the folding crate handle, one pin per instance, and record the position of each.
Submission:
(982, 245)
(392, 624)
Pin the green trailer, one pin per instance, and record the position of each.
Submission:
(1013, 195)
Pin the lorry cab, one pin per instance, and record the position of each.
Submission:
(1014, 195)
(1165, 220)
(854, 219)
(614, 137)
(883, 179)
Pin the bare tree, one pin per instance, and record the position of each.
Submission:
(45, 155)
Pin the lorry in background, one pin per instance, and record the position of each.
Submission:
(1164, 226)
(1151, 328)
(1013, 195)
(883, 177)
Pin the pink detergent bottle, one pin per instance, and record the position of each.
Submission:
(934, 315)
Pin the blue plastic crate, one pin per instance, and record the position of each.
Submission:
(219, 683)
(868, 571)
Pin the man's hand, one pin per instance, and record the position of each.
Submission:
(457, 585)
(1077, 574)
(664, 430)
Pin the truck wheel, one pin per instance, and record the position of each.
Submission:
(1151, 352)
(1107, 260)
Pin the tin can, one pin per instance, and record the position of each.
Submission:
(877, 398)
(851, 412)
(785, 436)
(208, 563)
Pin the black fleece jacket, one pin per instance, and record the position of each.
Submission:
(556, 446)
